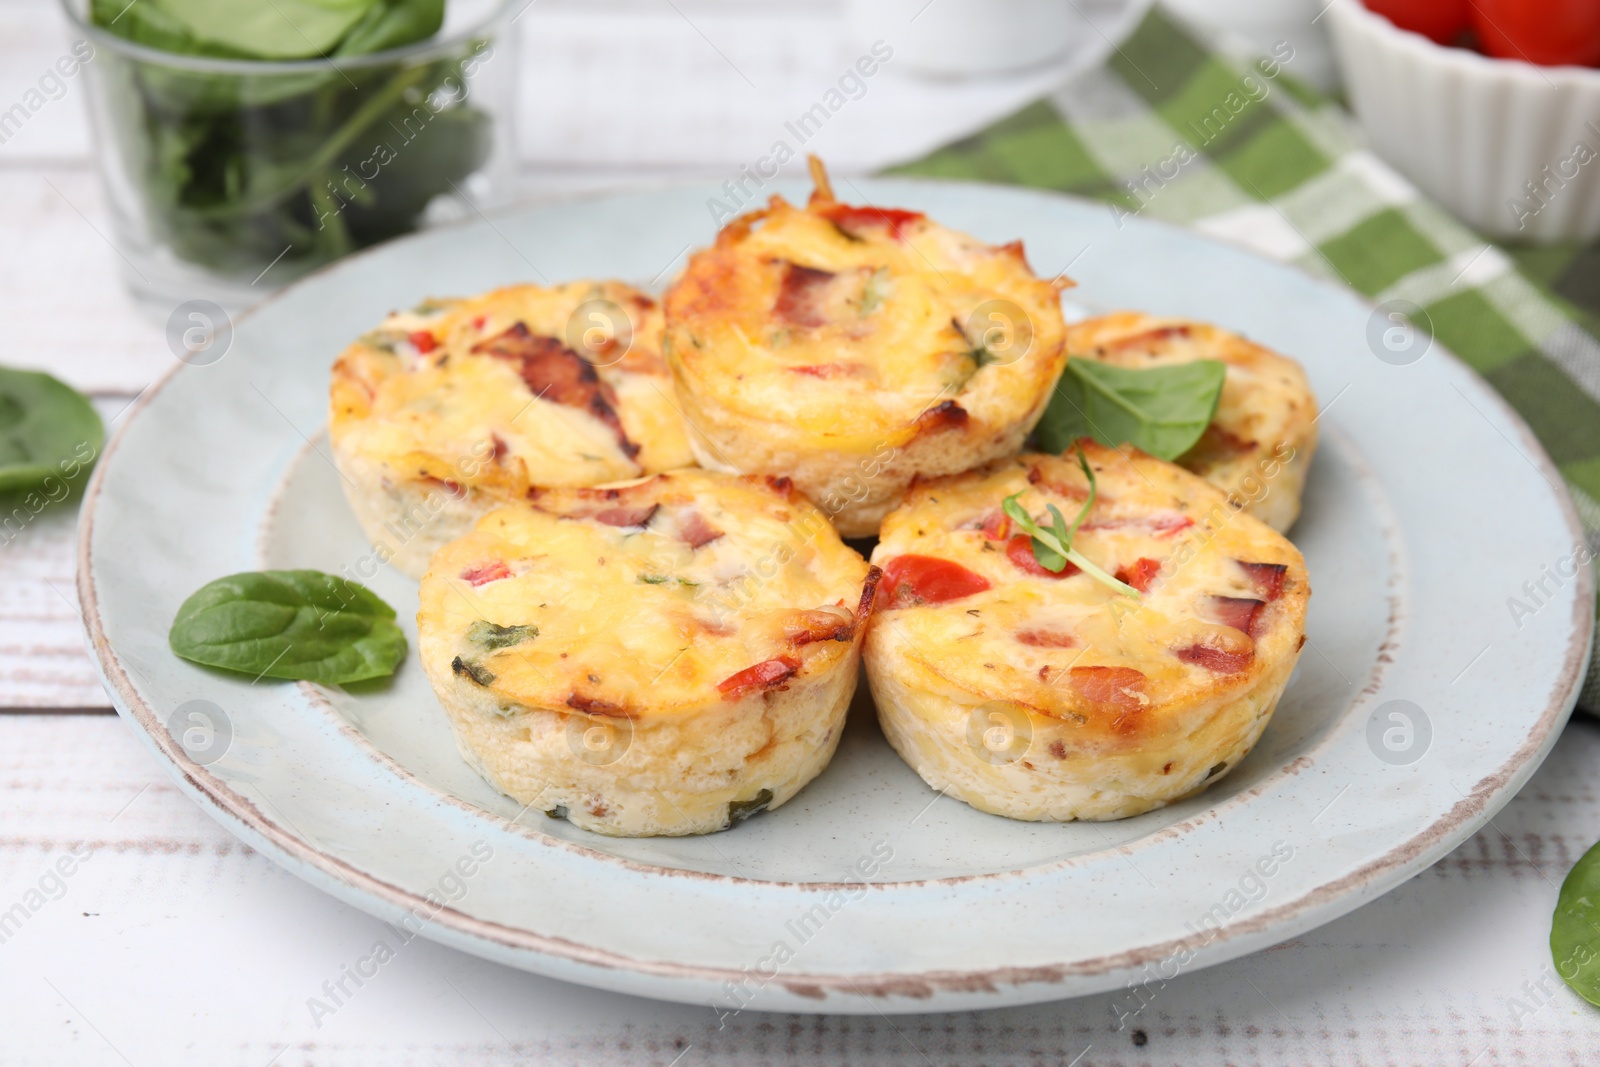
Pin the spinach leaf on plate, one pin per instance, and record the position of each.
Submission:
(47, 429)
(1161, 410)
(290, 624)
(1575, 928)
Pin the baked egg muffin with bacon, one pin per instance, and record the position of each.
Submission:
(854, 348)
(1260, 441)
(1097, 691)
(666, 656)
(449, 409)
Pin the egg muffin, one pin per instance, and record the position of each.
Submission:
(854, 348)
(1054, 696)
(666, 656)
(456, 406)
(1259, 444)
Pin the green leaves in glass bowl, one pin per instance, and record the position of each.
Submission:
(255, 165)
(49, 433)
(1159, 410)
(303, 625)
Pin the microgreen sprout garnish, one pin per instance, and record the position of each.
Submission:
(1052, 546)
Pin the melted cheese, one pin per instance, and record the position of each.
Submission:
(443, 411)
(638, 621)
(878, 344)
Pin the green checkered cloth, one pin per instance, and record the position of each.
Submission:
(1284, 171)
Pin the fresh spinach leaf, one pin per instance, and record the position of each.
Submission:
(392, 24)
(1161, 410)
(47, 430)
(1575, 928)
(290, 624)
(281, 29)
(144, 23)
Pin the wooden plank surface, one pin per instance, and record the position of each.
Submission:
(174, 944)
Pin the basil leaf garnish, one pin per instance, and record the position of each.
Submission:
(47, 429)
(290, 624)
(1575, 928)
(1160, 410)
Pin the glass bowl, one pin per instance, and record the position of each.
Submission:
(228, 178)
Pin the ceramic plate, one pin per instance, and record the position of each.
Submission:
(1421, 703)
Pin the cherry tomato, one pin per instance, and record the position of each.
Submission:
(1552, 33)
(912, 580)
(1441, 21)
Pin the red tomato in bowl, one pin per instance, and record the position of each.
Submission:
(1551, 33)
(1441, 21)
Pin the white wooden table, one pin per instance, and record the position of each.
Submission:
(173, 943)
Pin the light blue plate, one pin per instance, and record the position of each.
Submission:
(1429, 506)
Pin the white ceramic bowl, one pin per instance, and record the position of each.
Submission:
(1511, 149)
(959, 38)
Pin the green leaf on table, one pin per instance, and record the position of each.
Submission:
(1575, 928)
(47, 430)
(1160, 410)
(290, 624)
